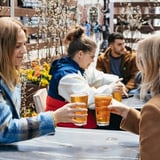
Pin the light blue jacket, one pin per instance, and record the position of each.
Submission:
(12, 127)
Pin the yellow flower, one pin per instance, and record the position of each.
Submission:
(38, 74)
(44, 82)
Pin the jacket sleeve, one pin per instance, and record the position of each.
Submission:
(98, 78)
(131, 122)
(99, 64)
(73, 83)
(150, 132)
(13, 130)
(146, 124)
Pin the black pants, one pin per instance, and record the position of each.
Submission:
(115, 121)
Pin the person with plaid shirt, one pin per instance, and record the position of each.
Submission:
(13, 128)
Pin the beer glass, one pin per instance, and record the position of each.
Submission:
(80, 97)
(117, 95)
(101, 107)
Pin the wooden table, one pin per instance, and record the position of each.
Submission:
(75, 144)
(134, 102)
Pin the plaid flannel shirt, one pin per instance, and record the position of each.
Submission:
(12, 127)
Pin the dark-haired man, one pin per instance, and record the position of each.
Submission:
(119, 60)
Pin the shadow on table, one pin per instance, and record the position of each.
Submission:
(8, 148)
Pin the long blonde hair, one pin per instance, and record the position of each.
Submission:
(148, 62)
(9, 28)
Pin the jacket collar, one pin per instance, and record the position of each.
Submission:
(108, 51)
(9, 95)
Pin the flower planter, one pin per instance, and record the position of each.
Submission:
(27, 103)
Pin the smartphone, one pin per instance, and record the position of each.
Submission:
(129, 95)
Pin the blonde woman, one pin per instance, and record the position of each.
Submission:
(12, 127)
(147, 122)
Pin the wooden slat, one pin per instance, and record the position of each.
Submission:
(148, 16)
(24, 12)
(131, 40)
(5, 11)
(143, 29)
(18, 12)
(42, 45)
(32, 30)
(134, 4)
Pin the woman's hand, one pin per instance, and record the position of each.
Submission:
(67, 113)
(119, 108)
(119, 86)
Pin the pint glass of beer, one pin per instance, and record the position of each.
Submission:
(80, 97)
(117, 95)
(101, 107)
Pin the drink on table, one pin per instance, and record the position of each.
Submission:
(117, 95)
(101, 106)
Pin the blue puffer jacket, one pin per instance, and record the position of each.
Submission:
(59, 69)
(12, 127)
